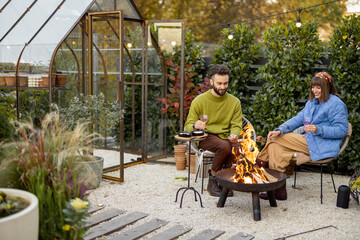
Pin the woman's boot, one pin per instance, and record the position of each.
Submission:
(280, 194)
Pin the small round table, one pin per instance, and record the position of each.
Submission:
(188, 140)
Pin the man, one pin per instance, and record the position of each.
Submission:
(223, 126)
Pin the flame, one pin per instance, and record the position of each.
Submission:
(246, 170)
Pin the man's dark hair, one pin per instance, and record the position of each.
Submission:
(220, 69)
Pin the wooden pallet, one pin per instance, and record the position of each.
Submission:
(112, 221)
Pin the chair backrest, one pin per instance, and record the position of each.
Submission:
(346, 139)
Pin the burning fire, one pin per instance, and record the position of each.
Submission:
(246, 170)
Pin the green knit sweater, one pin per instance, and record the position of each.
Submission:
(224, 113)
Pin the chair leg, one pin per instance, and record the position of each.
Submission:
(321, 195)
(197, 172)
(202, 176)
(295, 168)
(332, 179)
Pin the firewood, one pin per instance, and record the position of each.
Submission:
(259, 180)
(270, 177)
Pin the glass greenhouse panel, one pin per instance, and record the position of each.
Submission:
(116, 5)
(12, 13)
(41, 48)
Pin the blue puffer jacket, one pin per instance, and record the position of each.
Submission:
(331, 120)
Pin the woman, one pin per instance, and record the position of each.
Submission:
(325, 118)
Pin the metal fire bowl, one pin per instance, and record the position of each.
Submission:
(223, 177)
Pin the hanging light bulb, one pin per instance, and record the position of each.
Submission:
(129, 45)
(298, 22)
(230, 36)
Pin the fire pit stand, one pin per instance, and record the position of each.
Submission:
(224, 175)
(189, 140)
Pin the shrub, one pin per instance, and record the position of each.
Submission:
(239, 53)
(344, 54)
(292, 54)
(6, 129)
(38, 162)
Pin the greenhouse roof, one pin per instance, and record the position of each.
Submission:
(43, 24)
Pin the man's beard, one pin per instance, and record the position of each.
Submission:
(216, 90)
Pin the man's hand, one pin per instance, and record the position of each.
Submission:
(199, 125)
(233, 137)
(273, 134)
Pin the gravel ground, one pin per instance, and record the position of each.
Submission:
(151, 188)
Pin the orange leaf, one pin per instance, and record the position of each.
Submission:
(169, 62)
(171, 77)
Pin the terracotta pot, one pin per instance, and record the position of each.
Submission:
(60, 80)
(192, 162)
(45, 81)
(11, 80)
(180, 163)
(2, 80)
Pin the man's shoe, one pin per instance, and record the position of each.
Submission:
(280, 194)
(261, 163)
(213, 186)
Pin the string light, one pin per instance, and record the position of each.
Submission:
(129, 45)
(230, 36)
(298, 22)
(268, 16)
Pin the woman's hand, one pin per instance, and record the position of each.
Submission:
(273, 134)
(310, 128)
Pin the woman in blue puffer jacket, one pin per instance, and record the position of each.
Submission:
(325, 118)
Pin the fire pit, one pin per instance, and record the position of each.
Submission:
(225, 176)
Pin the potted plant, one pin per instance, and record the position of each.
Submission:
(39, 161)
(354, 184)
(19, 214)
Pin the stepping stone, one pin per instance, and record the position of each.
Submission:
(95, 208)
(103, 216)
(171, 233)
(208, 234)
(114, 225)
(141, 230)
(241, 236)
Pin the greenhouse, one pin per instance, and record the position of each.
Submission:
(45, 57)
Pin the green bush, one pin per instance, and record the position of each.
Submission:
(6, 129)
(292, 54)
(344, 53)
(239, 53)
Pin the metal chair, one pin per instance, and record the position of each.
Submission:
(206, 157)
(325, 161)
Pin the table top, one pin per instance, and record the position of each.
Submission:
(193, 138)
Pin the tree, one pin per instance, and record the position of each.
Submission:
(204, 13)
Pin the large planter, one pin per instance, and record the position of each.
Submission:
(23, 224)
(90, 172)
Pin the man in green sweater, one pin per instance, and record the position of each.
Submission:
(223, 126)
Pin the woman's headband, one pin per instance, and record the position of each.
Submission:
(324, 76)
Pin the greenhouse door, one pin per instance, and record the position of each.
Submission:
(164, 40)
(106, 82)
